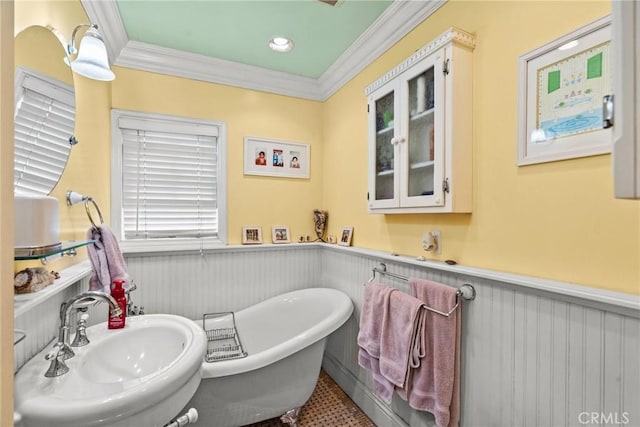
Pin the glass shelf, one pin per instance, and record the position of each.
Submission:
(386, 130)
(421, 165)
(386, 172)
(64, 248)
(423, 114)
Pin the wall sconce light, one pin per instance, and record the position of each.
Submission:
(91, 58)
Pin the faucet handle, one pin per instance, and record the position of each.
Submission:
(56, 356)
(132, 287)
(81, 339)
(54, 352)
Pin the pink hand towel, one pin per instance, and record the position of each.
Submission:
(376, 298)
(106, 259)
(435, 385)
(401, 340)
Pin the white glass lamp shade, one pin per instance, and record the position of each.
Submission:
(92, 60)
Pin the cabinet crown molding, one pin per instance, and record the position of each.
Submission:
(451, 35)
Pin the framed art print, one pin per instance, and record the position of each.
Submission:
(270, 157)
(560, 96)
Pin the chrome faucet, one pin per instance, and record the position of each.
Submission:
(132, 310)
(61, 350)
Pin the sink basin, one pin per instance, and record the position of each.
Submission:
(143, 374)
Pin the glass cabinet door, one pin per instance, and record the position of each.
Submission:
(383, 166)
(422, 179)
(384, 147)
(419, 130)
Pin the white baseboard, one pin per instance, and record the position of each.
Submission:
(378, 412)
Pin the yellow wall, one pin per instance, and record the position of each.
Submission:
(557, 220)
(252, 200)
(84, 158)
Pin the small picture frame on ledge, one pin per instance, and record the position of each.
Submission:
(280, 234)
(346, 236)
(251, 235)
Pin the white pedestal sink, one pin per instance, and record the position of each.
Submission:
(142, 375)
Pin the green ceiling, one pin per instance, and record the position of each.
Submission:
(239, 30)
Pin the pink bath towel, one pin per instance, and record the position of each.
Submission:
(382, 387)
(401, 340)
(376, 298)
(435, 385)
(106, 259)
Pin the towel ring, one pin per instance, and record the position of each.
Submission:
(95, 205)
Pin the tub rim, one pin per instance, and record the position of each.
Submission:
(342, 308)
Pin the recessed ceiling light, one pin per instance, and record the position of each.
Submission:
(281, 44)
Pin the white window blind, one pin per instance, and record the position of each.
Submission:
(169, 179)
(44, 126)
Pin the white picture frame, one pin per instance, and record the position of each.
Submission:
(271, 157)
(346, 236)
(280, 234)
(251, 235)
(560, 90)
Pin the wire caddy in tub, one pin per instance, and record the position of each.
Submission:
(223, 341)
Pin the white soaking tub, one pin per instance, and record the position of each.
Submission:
(284, 338)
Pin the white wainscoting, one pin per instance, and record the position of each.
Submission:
(221, 280)
(530, 358)
(534, 352)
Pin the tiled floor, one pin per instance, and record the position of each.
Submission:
(328, 406)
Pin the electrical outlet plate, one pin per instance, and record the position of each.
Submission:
(432, 242)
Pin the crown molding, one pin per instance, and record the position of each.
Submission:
(393, 24)
(107, 16)
(148, 57)
(452, 35)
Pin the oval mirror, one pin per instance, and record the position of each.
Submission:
(44, 111)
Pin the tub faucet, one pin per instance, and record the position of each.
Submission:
(61, 350)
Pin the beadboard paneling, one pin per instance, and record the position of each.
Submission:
(529, 358)
(193, 284)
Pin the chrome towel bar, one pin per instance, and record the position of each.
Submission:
(466, 291)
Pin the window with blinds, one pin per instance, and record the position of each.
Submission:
(169, 177)
(44, 127)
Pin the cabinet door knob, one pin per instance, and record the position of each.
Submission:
(397, 140)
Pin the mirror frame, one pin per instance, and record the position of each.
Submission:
(44, 70)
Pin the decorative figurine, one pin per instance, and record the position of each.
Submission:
(320, 221)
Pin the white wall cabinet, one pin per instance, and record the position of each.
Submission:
(626, 90)
(419, 127)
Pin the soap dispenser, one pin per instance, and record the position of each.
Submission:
(117, 292)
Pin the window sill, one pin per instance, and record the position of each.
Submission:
(169, 245)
